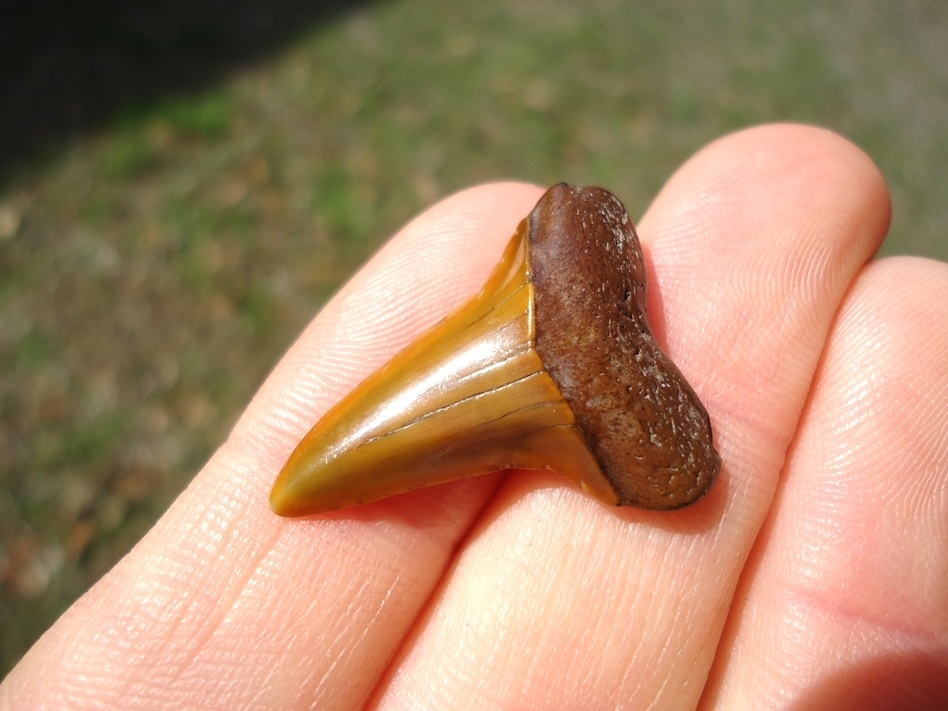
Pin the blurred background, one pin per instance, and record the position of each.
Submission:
(183, 184)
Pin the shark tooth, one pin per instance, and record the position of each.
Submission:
(551, 366)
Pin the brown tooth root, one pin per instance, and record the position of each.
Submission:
(551, 366)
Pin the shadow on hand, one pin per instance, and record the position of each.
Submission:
(907, 682)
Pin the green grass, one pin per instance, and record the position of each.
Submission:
(163, 263)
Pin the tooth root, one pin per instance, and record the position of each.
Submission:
(469, 397)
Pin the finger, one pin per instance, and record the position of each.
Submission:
(223, 604)
(845, 603)
(558, 602)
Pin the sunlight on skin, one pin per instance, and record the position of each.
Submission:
(520, 591)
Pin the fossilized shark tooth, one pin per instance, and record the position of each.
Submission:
(551, 366)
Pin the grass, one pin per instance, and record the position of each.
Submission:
(157, 267)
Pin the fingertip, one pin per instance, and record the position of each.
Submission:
(797, 166)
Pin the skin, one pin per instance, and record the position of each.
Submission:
(813, 575)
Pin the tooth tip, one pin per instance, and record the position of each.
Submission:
(278, 502)
(283, 500)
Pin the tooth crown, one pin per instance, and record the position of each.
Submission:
(551, 366)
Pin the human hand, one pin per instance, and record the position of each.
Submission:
(813, 575)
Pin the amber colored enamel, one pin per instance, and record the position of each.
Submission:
(469, 397)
